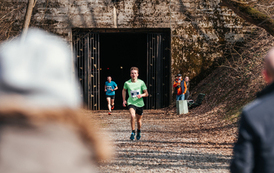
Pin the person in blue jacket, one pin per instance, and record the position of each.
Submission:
(110, 88)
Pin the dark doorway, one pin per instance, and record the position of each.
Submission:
(100, 52)
(118, 53)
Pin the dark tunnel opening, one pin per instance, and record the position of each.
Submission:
(118, 53)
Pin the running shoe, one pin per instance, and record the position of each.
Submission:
(132, 136)
(138, 135)
(112, 107)
(109, 113)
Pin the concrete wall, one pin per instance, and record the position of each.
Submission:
(201, 30)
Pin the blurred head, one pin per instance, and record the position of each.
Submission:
(36, 72)
(186, 78)
(176, 77)
(268, 71)
(109, 78)
(179, 76)
(134, 72)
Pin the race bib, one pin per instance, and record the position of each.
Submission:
(109, 87)
(134, 93)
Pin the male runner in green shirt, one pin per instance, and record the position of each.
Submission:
(136, 90)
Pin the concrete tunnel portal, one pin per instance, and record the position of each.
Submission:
(112, 52)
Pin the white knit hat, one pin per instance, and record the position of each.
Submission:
(37, 72)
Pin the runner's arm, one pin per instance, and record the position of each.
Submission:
(145, 94)
(116, 88)
(105, 88)
(124, 92)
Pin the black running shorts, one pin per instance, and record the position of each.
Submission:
(111, 97)
(138, 110)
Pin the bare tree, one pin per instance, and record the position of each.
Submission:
(250, 14)
(31, 4)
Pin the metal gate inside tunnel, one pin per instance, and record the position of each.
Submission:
(148, 49)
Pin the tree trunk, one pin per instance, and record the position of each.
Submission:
(27, 18)
(250, 14)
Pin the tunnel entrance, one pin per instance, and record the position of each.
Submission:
(118, 53)
(111, 52)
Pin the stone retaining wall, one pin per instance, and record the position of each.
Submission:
(201, 30)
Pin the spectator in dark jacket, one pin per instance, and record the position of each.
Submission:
(254, 150)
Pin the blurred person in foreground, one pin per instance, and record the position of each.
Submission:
(41, 125)
(254, 150)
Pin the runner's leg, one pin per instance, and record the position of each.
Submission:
(139, 124)
(139, 121)
(132, 120)
(112, 103)
(109, 106)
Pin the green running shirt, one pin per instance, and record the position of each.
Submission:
(134, 89)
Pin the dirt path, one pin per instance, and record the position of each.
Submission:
(168, 144)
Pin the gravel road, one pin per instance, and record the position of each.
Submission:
(166, 145)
